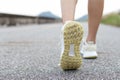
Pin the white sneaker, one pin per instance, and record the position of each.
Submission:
(88, 50)
(72, 33)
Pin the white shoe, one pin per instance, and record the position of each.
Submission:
(88, 50)
(72, 33)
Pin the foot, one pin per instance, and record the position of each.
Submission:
(72, 33)
(88, 50)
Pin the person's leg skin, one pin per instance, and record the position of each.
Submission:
(68, 9)
(95, 10)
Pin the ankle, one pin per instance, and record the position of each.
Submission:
(66, 21)
(91, 40)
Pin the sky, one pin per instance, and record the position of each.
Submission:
(35, 7)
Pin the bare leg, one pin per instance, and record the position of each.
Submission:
(95, 10)
(68, 9)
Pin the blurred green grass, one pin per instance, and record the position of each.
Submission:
(111, 19)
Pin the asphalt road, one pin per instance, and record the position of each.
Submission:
(32, 53)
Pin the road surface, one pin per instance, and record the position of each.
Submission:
(32, 53)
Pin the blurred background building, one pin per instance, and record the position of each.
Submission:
(14, 19)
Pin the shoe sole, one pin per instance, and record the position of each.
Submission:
(92, 57)
(73, 33)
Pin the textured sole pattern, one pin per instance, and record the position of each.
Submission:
(73, 33)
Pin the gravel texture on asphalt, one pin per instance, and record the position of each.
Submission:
(32, 53)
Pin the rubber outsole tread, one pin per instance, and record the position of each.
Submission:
(73, 33)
